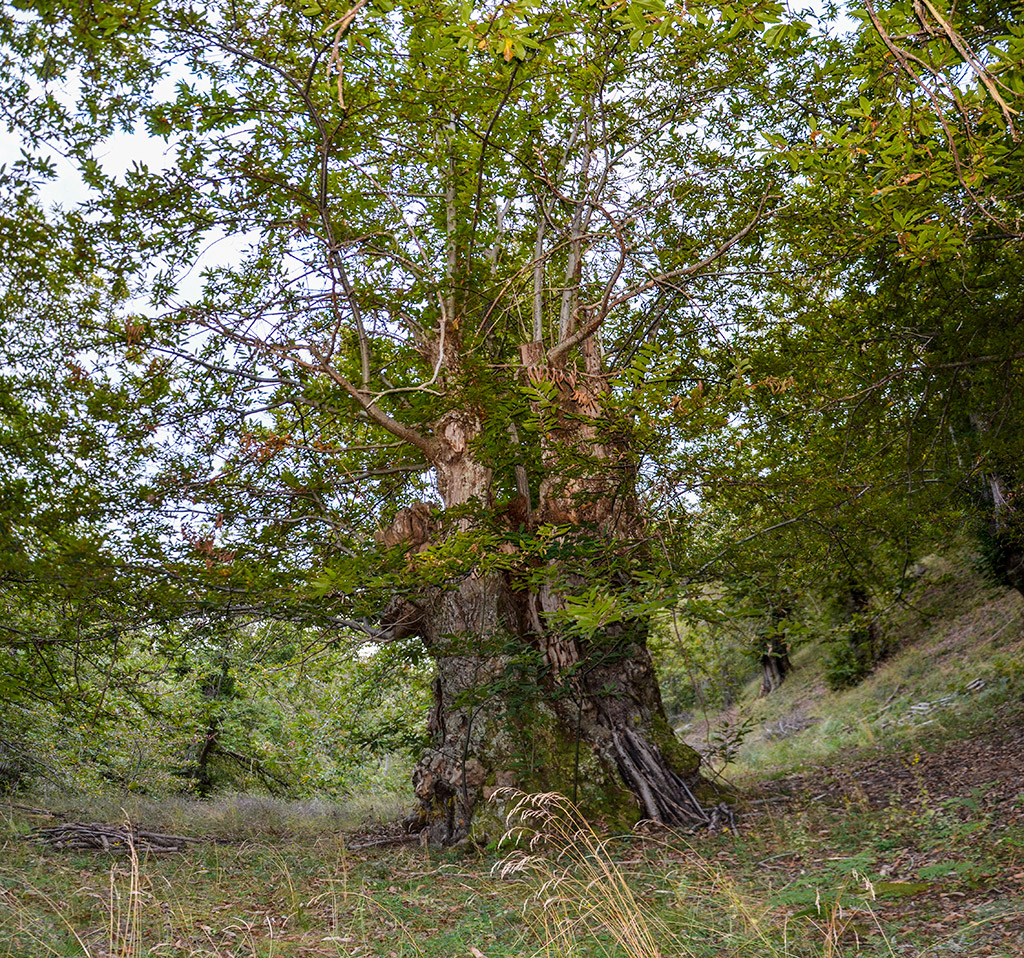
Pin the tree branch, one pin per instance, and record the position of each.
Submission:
(602, 308)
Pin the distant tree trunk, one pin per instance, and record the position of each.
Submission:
(518, 701)
(217, 686)
(199, 770)
(1004, 530)
(857, 604)
(860, 646)
(774, 648)
(775, 663)
(1002, 536)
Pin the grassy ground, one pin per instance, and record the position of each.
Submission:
(800, 879)
(886, 828)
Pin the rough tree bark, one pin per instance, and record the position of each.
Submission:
(519, 700)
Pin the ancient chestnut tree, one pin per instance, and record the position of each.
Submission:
(468, 257)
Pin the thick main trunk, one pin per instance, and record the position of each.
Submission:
(521, 701)
(543, 712)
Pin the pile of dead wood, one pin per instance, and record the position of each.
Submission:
(95, 836)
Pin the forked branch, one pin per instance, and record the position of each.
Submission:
(599, 311)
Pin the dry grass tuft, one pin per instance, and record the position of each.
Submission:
(582, 892)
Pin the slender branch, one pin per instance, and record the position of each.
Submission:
(538, 281)
(381, 418)
(340, 26)
(289, 353)
(357, 315)
(602, 308)
(578, 226)
(979, 70)
(483, 151)
(544, 207)
(932, 367)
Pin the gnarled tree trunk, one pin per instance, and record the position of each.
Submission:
(519, 699)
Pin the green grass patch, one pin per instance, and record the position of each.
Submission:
(811, 881)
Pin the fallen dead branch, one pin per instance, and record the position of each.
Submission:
(95, 836)
(383, 841)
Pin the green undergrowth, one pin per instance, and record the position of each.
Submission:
(825, 866)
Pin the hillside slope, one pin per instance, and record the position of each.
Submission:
(957, 665)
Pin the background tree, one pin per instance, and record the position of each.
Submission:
(866, 393)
